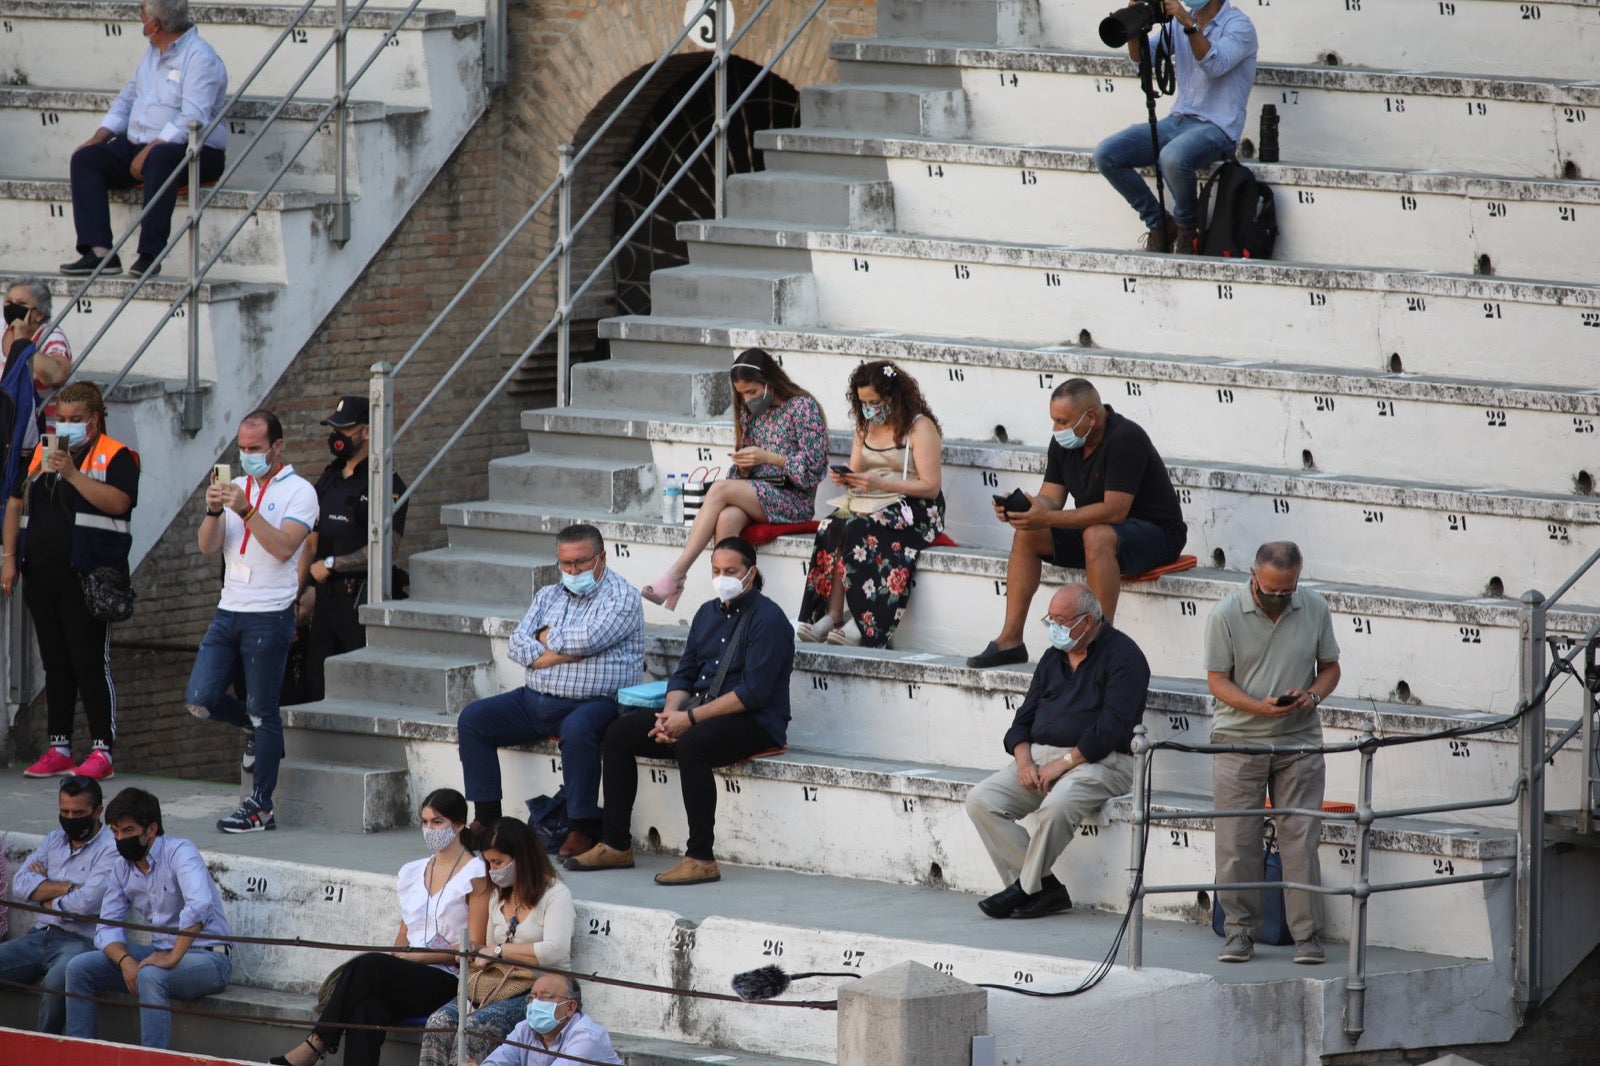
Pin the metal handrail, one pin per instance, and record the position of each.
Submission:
(385, 436)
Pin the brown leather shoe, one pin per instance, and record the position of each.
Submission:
(576, 844)
(691, 872)
(1160, 238)
(601, 857)
(1187, 241)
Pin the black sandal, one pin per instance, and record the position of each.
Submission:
(283, 1060)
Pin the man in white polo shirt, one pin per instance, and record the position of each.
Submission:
(259, 522)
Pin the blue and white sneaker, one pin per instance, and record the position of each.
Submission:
(251, 817)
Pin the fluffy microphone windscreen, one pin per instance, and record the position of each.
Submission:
(765, 983)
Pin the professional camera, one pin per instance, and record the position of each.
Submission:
(1134, 21)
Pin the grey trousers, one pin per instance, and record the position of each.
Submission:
(1240, 782)
(995, 804)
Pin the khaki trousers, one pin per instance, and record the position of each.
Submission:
(1240, 782)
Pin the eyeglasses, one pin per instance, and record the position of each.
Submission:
(545, 997)
(1069, 623)
(578, 566)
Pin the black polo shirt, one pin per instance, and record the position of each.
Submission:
(1123, 461)
(342, 509)
(1093, 708)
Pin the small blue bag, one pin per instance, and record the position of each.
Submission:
(1274, 922)
(650, 696)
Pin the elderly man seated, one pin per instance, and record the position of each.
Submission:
(555, 1030)
(1071, 746)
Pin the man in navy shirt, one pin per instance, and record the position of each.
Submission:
(1071, 750)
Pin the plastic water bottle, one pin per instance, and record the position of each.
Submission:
(672, 501)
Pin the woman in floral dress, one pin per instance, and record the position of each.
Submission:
(780, 443)
(866, 561)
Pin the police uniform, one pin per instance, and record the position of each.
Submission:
(341, 529)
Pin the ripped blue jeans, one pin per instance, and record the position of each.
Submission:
(259, 642)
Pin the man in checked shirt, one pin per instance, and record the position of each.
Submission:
(581, 640)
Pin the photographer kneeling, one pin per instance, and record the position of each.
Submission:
(1216, 66)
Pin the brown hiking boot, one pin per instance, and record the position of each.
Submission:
(1187, 241)
(601, 857)
(691, 872)
(1160, 238)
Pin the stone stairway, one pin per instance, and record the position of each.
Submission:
(1406, 391)
(66, 59)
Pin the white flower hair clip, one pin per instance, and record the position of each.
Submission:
(888, 372)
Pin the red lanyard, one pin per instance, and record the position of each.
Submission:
(253, 507)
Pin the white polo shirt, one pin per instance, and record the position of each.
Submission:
(255, 582)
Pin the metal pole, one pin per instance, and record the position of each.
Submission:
(380, 498)
(495, 51)
(339, 225)
(1141, 810)
(461, 1001)
(1355, 982)
(721, 149)
(564, 279)
(1530, 815)
(1586, 800)
(193, 418)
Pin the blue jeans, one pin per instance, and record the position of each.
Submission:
(198, 973)
(1187, 144)
(43, 953)
(523, 716)
(260, 641)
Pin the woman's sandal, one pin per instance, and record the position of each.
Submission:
(283, 1060)
(815, 632)
(664, 590)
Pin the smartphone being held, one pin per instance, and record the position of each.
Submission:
(840, 469)
(1015, 503)
(1286, 700)
(222, 474)
(48, 445)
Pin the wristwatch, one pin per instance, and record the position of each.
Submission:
(327, 564)
(1192, 28)
(499, 951)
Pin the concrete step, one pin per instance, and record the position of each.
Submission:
(691, 390)
(493, 577)
(316, 884)
(1529, 127)
(95, 44)
(887, 108)
(765, 296)
(465, 9)
(1399, 645)
(1337, 215)
(1548, 40)
(812, 198)
(357, 799)
(618, 485)
(1006, 22)
(443, 682)
(1333, 317)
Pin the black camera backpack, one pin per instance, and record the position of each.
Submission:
(1244, 223)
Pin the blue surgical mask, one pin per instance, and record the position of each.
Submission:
(876, 413)
(541, 1015)
(579, 584)
(1068, 438)
(1061, 636)
(256, 464)
(72, 434)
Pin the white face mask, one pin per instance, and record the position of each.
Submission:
(728, 587)
(436, 840)
(505, 876)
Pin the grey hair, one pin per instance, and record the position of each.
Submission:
(1280, 555)
(172, 14)
(1088, 602)
(1079, 391)
(582, 533)
(574, 993)
(38, 290)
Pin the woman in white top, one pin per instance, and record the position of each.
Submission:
(439, 897)
(531, 919)
(865, 561)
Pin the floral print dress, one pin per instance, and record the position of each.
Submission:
(793, 428)
(879, 552)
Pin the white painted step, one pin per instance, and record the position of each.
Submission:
(1335, 215)
(442, 682)
(1339, 318)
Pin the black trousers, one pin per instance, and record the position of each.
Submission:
(100, 168)
(335, 628)
(378, 989)
(714, 742)
(75, 648)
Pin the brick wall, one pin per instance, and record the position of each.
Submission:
(565, 59)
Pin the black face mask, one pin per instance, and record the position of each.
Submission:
(1273, 602)
(340, 445)
(131, 849)
(77, 829)
(16, 313)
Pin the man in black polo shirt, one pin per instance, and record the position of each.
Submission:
(1070, 745)
(335, 559)
(1124, 519)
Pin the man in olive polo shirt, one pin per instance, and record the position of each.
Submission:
(1271, 658)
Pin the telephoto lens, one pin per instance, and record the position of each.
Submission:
(1136, 20)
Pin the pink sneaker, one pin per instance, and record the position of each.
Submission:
(51, 764)
(97, 765)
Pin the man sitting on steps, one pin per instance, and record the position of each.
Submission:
(581, 640)
(1071, 744)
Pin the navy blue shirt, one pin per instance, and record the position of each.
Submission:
(762, 663)
(1093, 708)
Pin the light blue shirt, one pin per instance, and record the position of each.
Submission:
(187, 81)
(86, 868)
(177, 893)
(1216, 88)
(582, 1037)
(606, 628)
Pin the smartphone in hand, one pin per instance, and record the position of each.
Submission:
(1285, 700)
(840, 469)
(222, 474)
(48, 445)
(1015, 503)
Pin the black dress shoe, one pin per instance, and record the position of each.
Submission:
(141, 266)
(1048, 901)
(1004, 902)
(994, 655)
(86, 263)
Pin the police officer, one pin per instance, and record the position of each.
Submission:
(335, 562)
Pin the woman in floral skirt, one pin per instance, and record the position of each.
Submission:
(866, 554)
